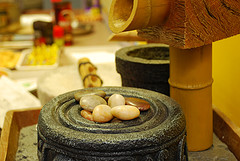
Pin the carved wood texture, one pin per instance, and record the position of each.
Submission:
(194, 23)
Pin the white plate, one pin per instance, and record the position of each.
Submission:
(6, 71)
(25, 53)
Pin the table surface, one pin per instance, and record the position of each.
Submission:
(99, 37)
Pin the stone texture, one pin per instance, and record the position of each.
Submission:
(89, 102)
(155, 134)
(116, 100)
(80, 94)
(125, 112)
(102, 113)
(27, 144)
(144, 66)
(141, 104)
(218, 152)
(87, 115)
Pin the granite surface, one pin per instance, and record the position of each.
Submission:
(27, 144)
(140, 139)
(27, 149)
(218, 152)
(153, 59)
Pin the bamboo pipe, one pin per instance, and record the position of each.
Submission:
(191, 86)
(126, 15)
(88, 73)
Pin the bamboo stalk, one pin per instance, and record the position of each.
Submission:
(88, 73)
(191, 86)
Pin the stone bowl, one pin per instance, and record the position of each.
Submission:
(157, 134)
(144, 66)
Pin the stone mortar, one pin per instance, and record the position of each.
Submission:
(157, 134)
(144, 66)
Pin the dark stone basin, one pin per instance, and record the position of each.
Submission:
(144, 66)
(158, 134)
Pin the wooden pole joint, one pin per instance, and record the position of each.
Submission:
(193, 86)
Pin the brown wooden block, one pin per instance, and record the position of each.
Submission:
(194, 23)
(14, 121)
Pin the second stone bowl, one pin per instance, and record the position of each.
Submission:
(144, 66)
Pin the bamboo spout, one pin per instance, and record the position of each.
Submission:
(126, 15)
(191, 86)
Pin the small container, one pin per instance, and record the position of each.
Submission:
(47, 31)
(63, 18)
(153, 59)
(43, 33)
(58, 7)
(38, 36)
(3, 18)
(58, 36)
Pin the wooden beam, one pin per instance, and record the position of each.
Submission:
(194, 23)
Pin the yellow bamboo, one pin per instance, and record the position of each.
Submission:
(190, 69)
(191, 86)
(88, 73)
(128, 15)
(126, 36)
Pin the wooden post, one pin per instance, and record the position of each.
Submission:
(191, 86)
(188, 27)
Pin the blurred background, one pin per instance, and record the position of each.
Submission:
(39, 51)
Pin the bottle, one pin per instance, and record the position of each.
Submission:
(38, 35)
(92, 10)
(63, 18)
(47, 31)
(43, 33)
(58, 36)
(54, 10)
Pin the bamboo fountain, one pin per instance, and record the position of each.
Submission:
(189, 28)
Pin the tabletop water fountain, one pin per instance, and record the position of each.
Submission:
(157, 134)
(189, 28)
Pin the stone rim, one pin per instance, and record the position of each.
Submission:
(173, 125)
(123, 54)
(139, 69)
